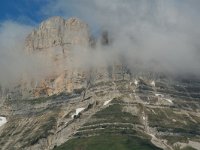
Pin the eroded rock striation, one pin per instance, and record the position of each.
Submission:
(57, 38)
(66, 42)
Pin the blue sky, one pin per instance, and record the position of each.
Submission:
(33, 12)
(25, 11)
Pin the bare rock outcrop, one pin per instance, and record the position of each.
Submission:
(58, 32)
(56, 38)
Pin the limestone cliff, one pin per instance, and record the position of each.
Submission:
(58, 32)
(56, 38)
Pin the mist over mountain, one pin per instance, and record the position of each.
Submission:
(158, 36)
(152, 32)
(101, 75)
(15, 61)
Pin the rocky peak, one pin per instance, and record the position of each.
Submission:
(56, 38)
(54, 22)
(57, 31)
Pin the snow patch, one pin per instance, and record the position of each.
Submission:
(153, 111)
(106, 102)
(169, 100)
(143, 118)
(78, 110)
(153, 136)
(159, 95)
(162, 96)
(136, 82)
(174, 120)
(3, 120)
(153, 83)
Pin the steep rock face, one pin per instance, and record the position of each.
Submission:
(56, 38)
(58, 32)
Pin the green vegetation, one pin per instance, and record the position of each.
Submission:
(79, 91)
(182, 125)
(109, 131)
(125, 126)
(44, 130)
(100, 93)
(114, 113)
(45, 99)
(108, 142)
(45, 125)
(173, 139)
(163, 120)
(145, 88)
(188, 148)
(101, 136)
(38, 100)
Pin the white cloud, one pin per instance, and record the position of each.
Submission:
(14, 60)
(157, 34)
(160, 34)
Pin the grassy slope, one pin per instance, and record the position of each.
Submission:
(110, 138)
(108, 142)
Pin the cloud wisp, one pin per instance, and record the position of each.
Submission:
(15, 63)
(158, 34)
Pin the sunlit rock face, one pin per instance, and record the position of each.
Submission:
(67, 44)
(58, 32)
(57, 39)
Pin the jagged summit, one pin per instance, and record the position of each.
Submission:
(57, 31)
(53, 22)
(57, 21)
(56, 38)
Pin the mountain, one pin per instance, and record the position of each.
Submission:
(56, 38)
(58, 32)
(78, 106)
